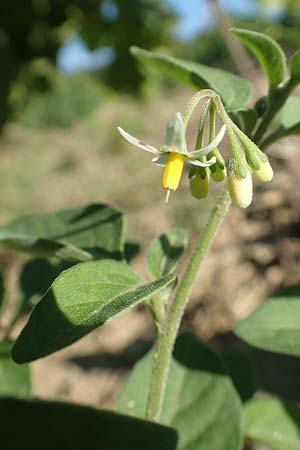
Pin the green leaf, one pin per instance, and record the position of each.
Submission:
(131, 250)
(165, 251)
(41, 425)
(235, 91)
(273, 422)
(288, 117)
(245, 118)
(295, 66)
(81, 299)
(241, 372)
(14, 380)
(200, 401)
(274, 325)
(36, 277)
(287, 120)
(2, 290)
(78, 234)
(268, 53)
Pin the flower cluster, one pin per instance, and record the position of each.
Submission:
(206, 161)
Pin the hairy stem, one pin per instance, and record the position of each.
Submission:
(276, 103)
(168, 332)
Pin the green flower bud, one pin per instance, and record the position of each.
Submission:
(218, 173)
(256, 159)
(218, 170)
(240, 189)
(199, 182)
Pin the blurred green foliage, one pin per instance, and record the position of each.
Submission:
(44, 97)
(31, 29)
(32, 90)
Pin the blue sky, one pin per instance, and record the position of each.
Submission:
(194, 17)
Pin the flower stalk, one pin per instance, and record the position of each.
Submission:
(170, 323)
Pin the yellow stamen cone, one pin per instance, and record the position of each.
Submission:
(173, 170)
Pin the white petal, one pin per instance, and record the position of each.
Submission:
(195, 162)
(160, 161)
(211, 146)
(136, 142)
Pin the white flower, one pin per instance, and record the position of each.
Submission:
(173, 153)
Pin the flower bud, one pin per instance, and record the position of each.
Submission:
(218, 173)
(199, 183)
(240, 189)
(217, 170)
(265, 172)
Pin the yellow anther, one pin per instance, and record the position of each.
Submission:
(173, 171)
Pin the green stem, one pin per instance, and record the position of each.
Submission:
(276, 103)
(168, 332)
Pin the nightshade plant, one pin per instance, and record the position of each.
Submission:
(182, 394)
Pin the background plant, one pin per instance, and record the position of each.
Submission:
(76, 235)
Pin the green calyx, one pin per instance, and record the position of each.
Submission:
(237, 163)
(217, 170)
(254, 156)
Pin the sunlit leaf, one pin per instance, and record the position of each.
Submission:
(295, 66)
(235, 91)
(79, 234)
(275, 325)
(2, 290)
(273, 422)
(287, 120)
(14, 380)
(268, 53)
(200, 401)
(164, 252)
(288, 116)
(81, 299)
(41, 425)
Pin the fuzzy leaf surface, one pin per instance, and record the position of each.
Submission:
(273, 422)
(14, 380)
(77, 234)
(274, 325)
(164, 252)
(268, 53)
(235, 91)
(81, 299)
(295, 66)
